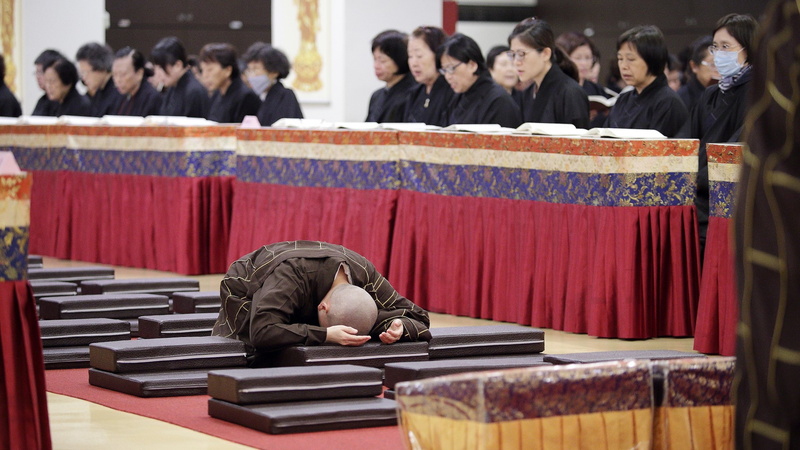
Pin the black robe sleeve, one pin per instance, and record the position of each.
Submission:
(9, 105)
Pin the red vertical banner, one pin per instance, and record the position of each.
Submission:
(449, 16)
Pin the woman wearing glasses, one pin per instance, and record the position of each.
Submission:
(427, 102)
(719, 115)
(553, 96)
(478, 98)
(651, 105)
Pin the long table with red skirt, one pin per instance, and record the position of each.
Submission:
(718, 310)
(336, 186)
(23, 403)
(584, 235)
(156, 197)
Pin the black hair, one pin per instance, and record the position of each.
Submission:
(571, 40)
(649, 44)
(673, 63)
(251, 54)
(393, 44)
(222, 53)
(2, 69)
(463, 48)
(47, 58)
(523, 25)
(66, 71)
(539, 36)
(494, 53)
(138, 59)
(274, 60)
(167, 52)
(434, 37)
(699, 49)
(100, 57)
(742, 27)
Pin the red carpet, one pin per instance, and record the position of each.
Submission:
(192, 412)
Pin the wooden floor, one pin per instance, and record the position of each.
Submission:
(79, 424)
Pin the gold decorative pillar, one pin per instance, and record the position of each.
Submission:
(308, 62)
(7, 32)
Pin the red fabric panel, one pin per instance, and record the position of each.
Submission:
(718, 310)
(608, 271)
(23, 404)
(175, 224)
(360, 220)
(48, 200)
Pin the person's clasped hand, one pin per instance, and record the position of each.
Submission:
(344, 335)
(393, 333)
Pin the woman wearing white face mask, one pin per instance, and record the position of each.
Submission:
(719, 114)
(266, 66)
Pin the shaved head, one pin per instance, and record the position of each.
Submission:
(351, 306)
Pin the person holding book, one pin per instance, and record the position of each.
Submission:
(427, 102)
(719, 114)
(478, 99)
(553, 96)
(651, 104)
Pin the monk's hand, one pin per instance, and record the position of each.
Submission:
(344, 335)
(394, 333)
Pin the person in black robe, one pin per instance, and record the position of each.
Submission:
(139, 97)
(702, 73)
(767, 259)
(720, 112)
(390, 61)
(428, 101)
(266, 67)
(652, 104)
(185, 96)
(60, 80)
(274, 297)
(94, 64)
(232, 99)
(9, 105)
(45, 106)
(586, 56)
(478, 99)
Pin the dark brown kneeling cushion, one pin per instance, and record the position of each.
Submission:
(592, 357)
(459, 342)
(73, 332)
(162, 354)
(196, 302)
(409, 371)
(47, 288)
(371, 354)
(72, 274)
(171, 383)
(164, 286)
(301, 417)
(177, 325)
(289, 384)
(74, 357)
(109, 306)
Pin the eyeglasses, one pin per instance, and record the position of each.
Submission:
(725, 48)
(449, 70)
(516, 55)
(708, 64)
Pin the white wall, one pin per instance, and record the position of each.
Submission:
(353, 24)
(60, 25)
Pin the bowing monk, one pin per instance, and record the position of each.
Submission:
(312, 293)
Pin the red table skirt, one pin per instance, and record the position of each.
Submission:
(24, 422)
(176, 224)
(627, 272)
(718, 310)
(361, 220)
